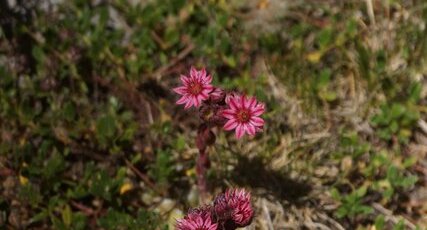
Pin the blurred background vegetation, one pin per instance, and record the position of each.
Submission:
(90, 137)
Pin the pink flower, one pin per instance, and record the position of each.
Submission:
(195, 89)
(243, 115)
(221, 210)
(239, 200)
(197, 219)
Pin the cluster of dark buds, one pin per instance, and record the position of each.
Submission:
(217, 108)
(230, 210)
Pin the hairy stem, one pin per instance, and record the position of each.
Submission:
(205, 138)
(202, 166)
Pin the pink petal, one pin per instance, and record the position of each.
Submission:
(209, 79)
(228, 113)
(229, 96)
(233, 104)
(246, 102)
(199, 99)
(203, 95)
(185, 80)
(209, 88)
(188, 104)
(182, 100)
(197, 75)
(193, 72)
(217, 92)
(250, 129)
(242, 101)
(239, 131)
(259, 109)
(180, 90)
(251, 102)
(231, 124)
(257, 121)
(199, 221)
(202, 73)
(196, 102)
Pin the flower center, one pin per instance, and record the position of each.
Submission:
(243, 116)
(195, 88)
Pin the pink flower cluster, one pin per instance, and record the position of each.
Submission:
(230, 210)
(231, 110)
(199, 219)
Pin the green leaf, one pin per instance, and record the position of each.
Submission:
(351, 27)
(324, 37)
(335, 194)
(79, 221)
(54, 165)
(392, 174)
(341, 212)
(67, 216)
(120, 220)
(162, 168)
(415, 92)
(379, 222)
(328, 96)
(363, 209)
(30, 194)
(115, 220)
(408, 181)
(384, 134)
(230, 60)
(57, 223)
(106, 127)
(324, 78)
(388, 193)
(39, 216)
(394, 126)
(397, 110)
(38, 53)
(69, 111)
(408, 162)
(400, 225)
(180, 143)
(102, 185)
(361, 191)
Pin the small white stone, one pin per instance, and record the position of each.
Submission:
(165, 206)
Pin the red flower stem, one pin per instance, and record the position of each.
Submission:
(202, 166)
(203, 140)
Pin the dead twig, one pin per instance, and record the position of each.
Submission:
(163, 45)
(331, 221)
(314, 225)
(159, 72)
(266, 215)
(423, 125)
(84, 209)
(370, 9)
(144, 178)
(78, 149)
(130, 96)
(389, 216)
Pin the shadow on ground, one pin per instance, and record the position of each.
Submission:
(252, 173)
